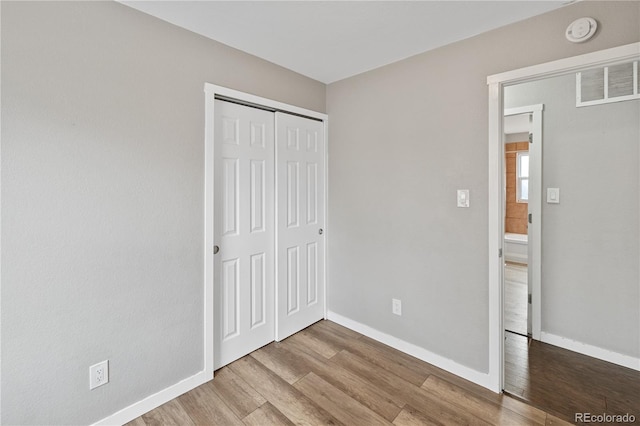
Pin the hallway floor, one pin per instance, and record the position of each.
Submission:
(515, 298)
(563, 382)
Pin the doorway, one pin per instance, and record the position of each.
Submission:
(577, 144)
(265, 219)
(522, 163)
(497, 84)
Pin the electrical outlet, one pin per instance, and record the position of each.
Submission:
(396, 306)
(99, 374)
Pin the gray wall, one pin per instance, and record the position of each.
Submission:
(402, 139)
(102, 201)
(590, 276)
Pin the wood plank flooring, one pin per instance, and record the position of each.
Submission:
(565, 382)
(330, 375)
(515, 298)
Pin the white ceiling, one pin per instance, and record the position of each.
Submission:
(333, 40)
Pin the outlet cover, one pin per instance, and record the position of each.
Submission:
(463, 198)
(99, 374)
(396, 306)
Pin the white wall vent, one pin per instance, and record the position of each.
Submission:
(604, 85)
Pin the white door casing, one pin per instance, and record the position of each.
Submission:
(245, 230)
(300, 213)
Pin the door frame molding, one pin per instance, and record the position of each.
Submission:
(496, 84)
(211, 92)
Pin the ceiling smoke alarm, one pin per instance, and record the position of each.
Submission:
(581, 30)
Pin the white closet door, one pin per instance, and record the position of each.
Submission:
(244, 228)
(300, 217)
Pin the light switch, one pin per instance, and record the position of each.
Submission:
(463, 198)
(553, 195)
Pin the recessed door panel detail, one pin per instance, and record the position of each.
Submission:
(230, 130)
(293, 139)
(293, 279)
(231, 297)
(257, 137)
(258, 284)
(312, 273)
(312, 192)
(312, 141)
(292, 194)
(257, 197)
(230, 196)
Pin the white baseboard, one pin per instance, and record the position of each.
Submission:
(153, 401)
(451, 366)
(592, 351)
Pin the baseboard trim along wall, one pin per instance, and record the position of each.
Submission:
(592, 351)
(451, 366)
(153, 401)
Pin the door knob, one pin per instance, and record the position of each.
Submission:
(320, 231)
(216, 249)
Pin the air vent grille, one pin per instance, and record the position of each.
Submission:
(614, 83)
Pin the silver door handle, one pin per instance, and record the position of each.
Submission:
(320, 231)
(216, 249)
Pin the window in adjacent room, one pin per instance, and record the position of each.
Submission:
(522, 176)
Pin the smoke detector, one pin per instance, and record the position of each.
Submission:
(581, 30)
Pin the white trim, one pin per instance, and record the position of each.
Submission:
(607, 100)
(496, 83)
(496, 238)
(606, 83)
(523, 109)
(326, 212)
(463, 371)
(635, 77)
(610, 56)
(276, 215)
(534, 239)
(147, 404)
(209, 184)
(212, 90)
(592, 351)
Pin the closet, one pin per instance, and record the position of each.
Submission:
(268, 226)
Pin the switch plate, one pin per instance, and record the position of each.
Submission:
(396, 306)
(463, 198)
(553, 195)
(99, 374)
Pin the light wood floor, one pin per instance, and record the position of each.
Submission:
(330, 375)
(515, 298)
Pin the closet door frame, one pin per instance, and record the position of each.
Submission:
(213, 92)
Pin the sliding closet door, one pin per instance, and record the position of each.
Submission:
(244, 228)
(300, 217)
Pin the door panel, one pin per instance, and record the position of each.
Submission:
(244, 229)
(300, 218)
